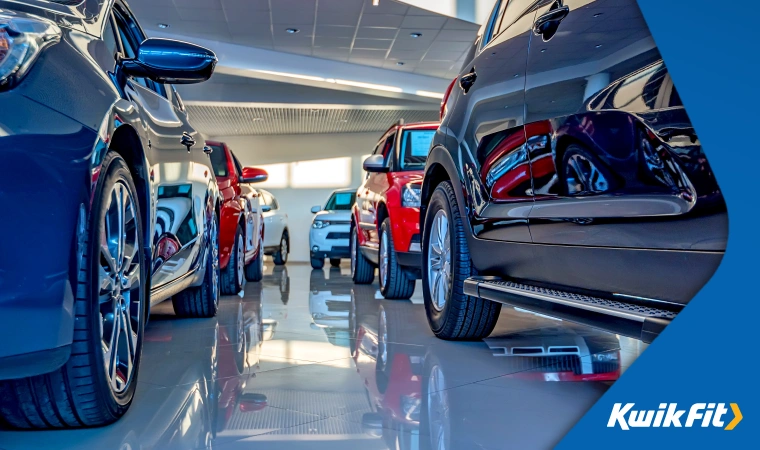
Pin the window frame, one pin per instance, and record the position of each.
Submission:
(135, 32)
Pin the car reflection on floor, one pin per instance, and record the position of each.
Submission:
(330, 365)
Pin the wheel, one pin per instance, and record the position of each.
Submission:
(394, 282)
(583, 173)
(450, 313)
(317, 263)
(96, 385)
(335, 262)
(255, 270)
(203, 300)
(436, 405)
(232, 275)
(362, 271)
(281, 256)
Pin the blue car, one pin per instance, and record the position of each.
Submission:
(109, 205)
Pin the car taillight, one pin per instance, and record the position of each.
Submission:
(446, 96)
(22, 37)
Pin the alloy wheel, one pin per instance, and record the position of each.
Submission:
(438, 409)
(215, 270)
(284, 249)
(240, 260)
(354, 250)
(384, 258)
(439, 260)
(119, 272)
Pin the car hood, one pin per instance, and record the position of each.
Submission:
(337, 216)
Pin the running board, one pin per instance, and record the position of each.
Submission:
(628, 319)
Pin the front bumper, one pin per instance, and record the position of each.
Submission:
(330, 242)
(44, 195)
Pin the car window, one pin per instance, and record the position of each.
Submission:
(274, 204)
(513, 11)
(267, 197)
(341, 201)
(493, 22)
(649, 89)
(236, 163)
(109, 39)
(415, 146)
(131, 36)
(219, 161)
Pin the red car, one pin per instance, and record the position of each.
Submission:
(242, 226)
(385, 228)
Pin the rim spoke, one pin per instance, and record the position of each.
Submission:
(131, 338)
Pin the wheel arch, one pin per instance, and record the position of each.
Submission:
(440, 167)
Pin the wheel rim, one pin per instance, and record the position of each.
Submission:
(584, 176)
(120, 285)
(261, 256)
(382, 341)
(215, 261)
(284, 249)
(240, 260)
(439, 260)
(354, 250)
(384, 258)
(438, 409)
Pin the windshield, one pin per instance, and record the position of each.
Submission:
(415, 146)
(341, 201)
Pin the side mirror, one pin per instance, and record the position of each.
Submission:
(253, 175)
(316, 209)
(375, 163)
(170, 61)
(266, 208)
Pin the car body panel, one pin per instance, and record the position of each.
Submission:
(275, 223)
(76, 104)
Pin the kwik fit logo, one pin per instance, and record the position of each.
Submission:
(669, 415)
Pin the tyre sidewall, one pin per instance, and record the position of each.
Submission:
(384, 277)
(116, 170)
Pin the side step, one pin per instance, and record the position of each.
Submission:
(628, 319)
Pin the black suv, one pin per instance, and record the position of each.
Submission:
(566, 178)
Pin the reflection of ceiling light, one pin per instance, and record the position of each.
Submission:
(437, 95)
(400, 63)
(379, 87)
(597, 14)
(163, 25)
(258, 119)
(343, 121)
(292, 75)
(292, 30)
(416, 35)
(599, 46)
(543, 50)
(375, 2)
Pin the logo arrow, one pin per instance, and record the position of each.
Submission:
(737, 417)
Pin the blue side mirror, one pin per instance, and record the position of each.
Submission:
(171, 61)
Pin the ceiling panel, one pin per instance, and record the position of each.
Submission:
(212, 120)
(358, 26)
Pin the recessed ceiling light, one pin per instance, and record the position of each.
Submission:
(400, 63)
(292, 30)
(343, 121)
(416, 35)
(163, 25)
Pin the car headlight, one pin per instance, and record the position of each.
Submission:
(22, 38)
(320, 224)
(410, 196)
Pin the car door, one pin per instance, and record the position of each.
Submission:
(280, 220)
(371, 192)
(620, 164)
(250, 202)
(180, 176)
(272, 232)
(488, 117)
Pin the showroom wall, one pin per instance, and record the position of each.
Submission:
(314, 160)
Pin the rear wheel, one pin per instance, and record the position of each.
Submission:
(335, 262)
(394, 282)
(203, 300)
(281, 256)
(97, 384)
(232, 275)
(450, 313)
(362, 271)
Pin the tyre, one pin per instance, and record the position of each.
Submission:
(317, 263)
(203, 300)
(362, 271)
(281, 256)
(450, 313)
(232, 275)
(255, 270)
(96, 385)
(394, 282)
(335, 262)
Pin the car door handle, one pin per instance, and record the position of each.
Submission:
(187, 140)
(547, 24)
(467, 81)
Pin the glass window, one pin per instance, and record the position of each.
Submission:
(274, 203)
(236, 163)
(109, 39)
(493, 22)
(341, 201)
(266, 197)
(641, 91)
(415, 146)
(514, 10)
(219, 161)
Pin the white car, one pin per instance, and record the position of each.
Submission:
(331, 229)
(276, 234)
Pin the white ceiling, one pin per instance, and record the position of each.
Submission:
(240, 119)
(351, 31)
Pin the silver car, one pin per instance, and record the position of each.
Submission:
(330, 229)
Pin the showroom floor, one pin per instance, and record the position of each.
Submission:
(326, 364)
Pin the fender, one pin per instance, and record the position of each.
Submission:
(438, 158)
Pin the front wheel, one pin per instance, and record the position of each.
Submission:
(255, 270)
(362, 271)
(281, 256)
(317, 263)
(451, 314)
(394, 282)
(96, 386)
(203, 300)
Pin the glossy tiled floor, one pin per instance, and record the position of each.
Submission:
(307, 360)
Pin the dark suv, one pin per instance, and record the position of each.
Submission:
(566, 178)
